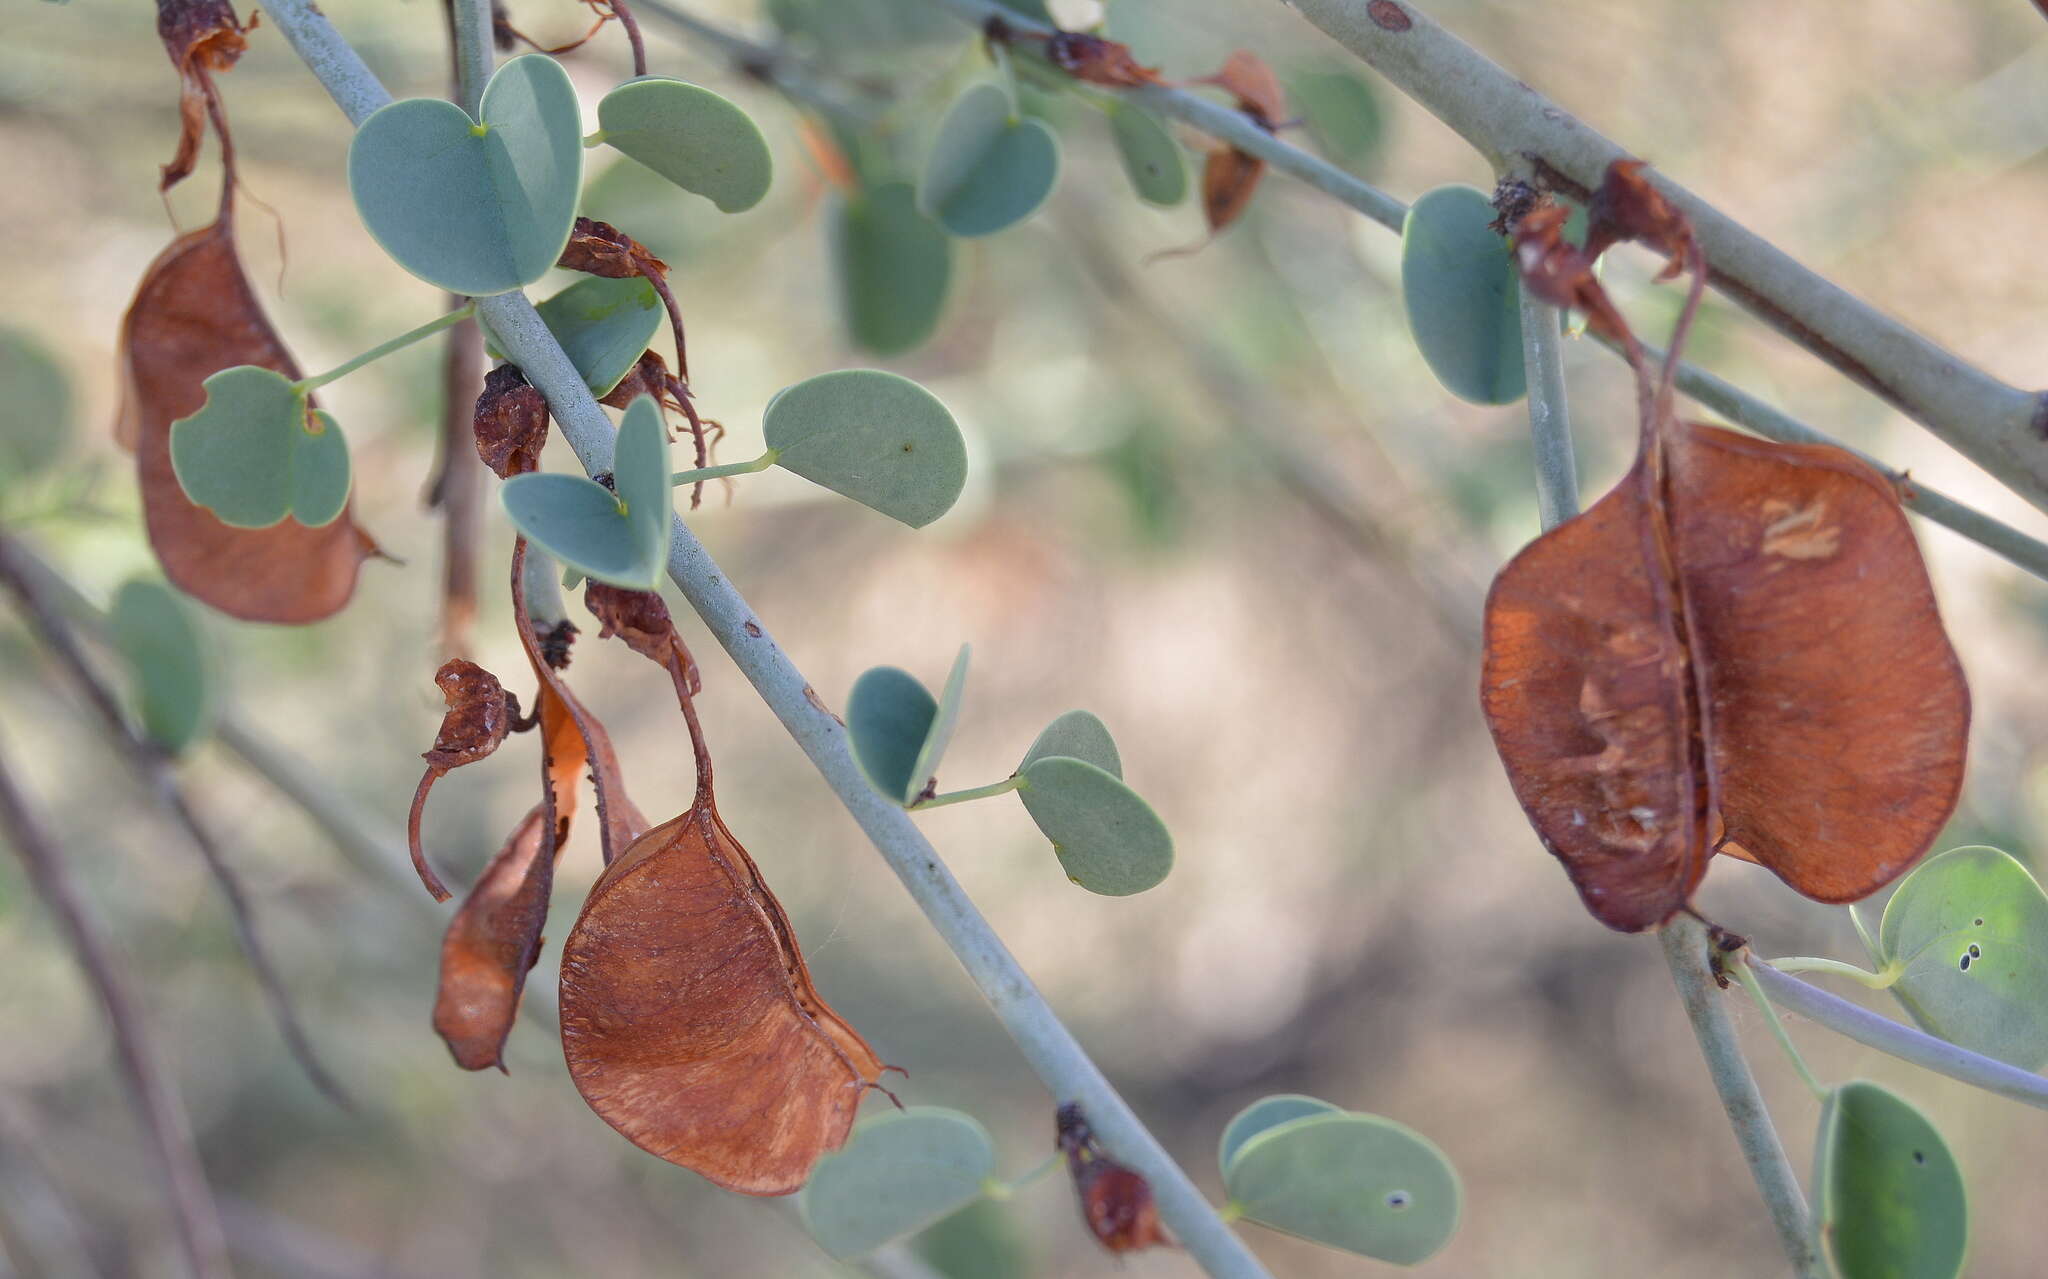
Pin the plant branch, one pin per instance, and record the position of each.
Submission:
(155, 1100)
(768, 63)
(1901, 1041)
(1685, 950)
(1550, 427)
(1049, 1047)
(1999, 427)
(159, 778)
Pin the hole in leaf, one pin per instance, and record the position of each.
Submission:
(1966, 963)
(1398, 1199)
(1978, 923)
(1974, 952)
(1920, 1157)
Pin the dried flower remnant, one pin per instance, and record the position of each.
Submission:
(1736, 649)
(202, 37)
(599, 248)
(1116, 1202)
(1230, 176)
(510, 423)
(642, 620)
(480, 715)
(1098, 61)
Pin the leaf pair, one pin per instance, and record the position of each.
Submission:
(989, 167)
(1889, 1201)
(617, 535)
(1358, 1182)
(1071, 780)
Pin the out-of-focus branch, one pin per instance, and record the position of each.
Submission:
(457, 488)
(149, 1088)
(771, 64)
(154, 770)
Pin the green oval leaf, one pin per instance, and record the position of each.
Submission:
(1343, 115)
(880, 439)
(889, 718)
(255, 453)
(604, 326)
(1464, 301)
(989, 168)
(618, 537)
(691, 136)
(1266, 1112)
(899, 1172)
(1152, 160)
(37, 394)
(477, 209)
(1109, 840)
(1889, 1200)
(1968, 932)
(893, 264)
(157, 636)
(1358, 1182)
(1077, 735)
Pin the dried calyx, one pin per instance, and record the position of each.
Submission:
(1116, 1203)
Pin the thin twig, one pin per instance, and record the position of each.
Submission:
(1046, 1043)
(154, 770)
(155, 1100)
(456, 489)
(1550, 427)
(772, 65)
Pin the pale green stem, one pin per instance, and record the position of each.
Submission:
(1745, 973)
(1862, 933)
(1013, 782)
(1550, 428)
(760, 463)
(1862, 977)
(378, 352)
(1069, 1074)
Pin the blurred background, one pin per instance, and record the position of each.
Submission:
(1217, 499)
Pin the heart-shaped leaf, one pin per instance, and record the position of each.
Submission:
(899, 1172)
(1077, 735)
(893, 265)
(476, 208)
(1464, 302)
(880, 439)
(158, 637)
(691, 136)
(38, 399)
(1967, 933)
(1356, 1182)
(989, 168)
(898, 731)
(1109, 840)
(1888, 1199)
(604, 325)
(622, 538)
(1152, 160)
(1267, 1112)
(256, 451)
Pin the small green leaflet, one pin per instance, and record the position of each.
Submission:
(899, 1172)
(1358, 1182)
(1107, 838)
(880, 439)
(898, 730)
(620, 539)
(1464, 302)
(256, 452)
(1889, 1201)
(892, 264)
(1152, 160)
(989, 168)
(691, 136)
(159, 638)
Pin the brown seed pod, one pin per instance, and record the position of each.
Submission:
(1116, 1203)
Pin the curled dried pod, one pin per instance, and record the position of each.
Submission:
(480, 715)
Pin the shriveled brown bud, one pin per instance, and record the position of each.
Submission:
(202, 36)
(599, 248)
(1098, 61)
(650, 376)
(480, 714)
(510, 422)
(1115, 1201)
(642, 620)
(1627, 207)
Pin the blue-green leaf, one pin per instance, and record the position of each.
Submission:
(255, 452)
(618, 537)
(476, 208)
(157, 635)
(1107, 838)
(1077, 735)
(1356, 1182)
(39, 407)
(691, 136)
(989, 168)
(604, 326)
(1266, 1112)
(1464, 301)
(940, 734)
(899, 1172)
(1968, 933)
(893, 264)
(1343, 115)
(1889, 1201)
(1152, 160)
(880, 439)
(889, 718)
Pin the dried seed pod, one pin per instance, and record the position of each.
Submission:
(1116, 1202)
(492, 942)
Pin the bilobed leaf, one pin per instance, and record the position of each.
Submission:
(1152, 160)
(889, 718)
(604, 325)
(39, 408)
(1464, 304)
(1889, 1201)
(194, 314)
(880, 439)
(1968, 932)
(899, 1172)
(1266, 1112)
(478, 208)
(618, 537)
(893, 264)
(1078, 735)
(989, 168)
(257, 452)
(1107, 838)
(691, 136)
(1356, 1182)
(160, 640)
